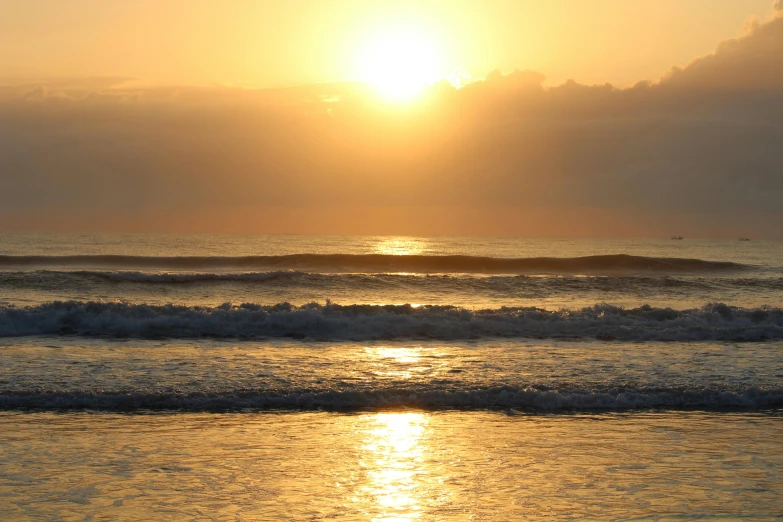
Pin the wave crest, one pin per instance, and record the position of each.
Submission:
(369, 322)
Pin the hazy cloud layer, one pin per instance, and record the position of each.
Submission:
(696, 153)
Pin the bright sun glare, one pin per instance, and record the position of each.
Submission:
(400, 64)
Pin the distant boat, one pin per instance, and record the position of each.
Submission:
(744, 239)
(678, 238)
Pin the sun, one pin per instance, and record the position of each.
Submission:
(400, 63)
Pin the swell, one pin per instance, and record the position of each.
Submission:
(504, 284)
(388, 263)
(368, 322)
(499, 397)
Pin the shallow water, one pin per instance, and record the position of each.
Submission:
(390, 466)
(74, 373)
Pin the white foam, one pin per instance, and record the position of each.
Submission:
(366, 322)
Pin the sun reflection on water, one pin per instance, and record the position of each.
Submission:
(403, 362)
(394, 353)
(394, 450)
(399, 246)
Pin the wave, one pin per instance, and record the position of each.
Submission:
(467, 282)
(619, 263)
(499, 398)
(367, 322)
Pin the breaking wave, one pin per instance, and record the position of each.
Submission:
(500, 397)
(367, 322)
(619, 263)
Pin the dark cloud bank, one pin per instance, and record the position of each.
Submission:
(699, 152)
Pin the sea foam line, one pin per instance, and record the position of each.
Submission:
(368, 322)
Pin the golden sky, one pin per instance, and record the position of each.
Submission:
(274, 43)
(320, 117)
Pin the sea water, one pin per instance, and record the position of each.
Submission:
(311, 377)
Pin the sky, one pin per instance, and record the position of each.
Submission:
(270, 43)
(593, 118)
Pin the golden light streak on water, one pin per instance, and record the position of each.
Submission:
(393, 452)
(399, 246)
(386, 466)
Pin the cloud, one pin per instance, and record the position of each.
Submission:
(696, 152)
(754, 61)
(777, 5)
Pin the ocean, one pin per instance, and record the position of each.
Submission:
(206, 377)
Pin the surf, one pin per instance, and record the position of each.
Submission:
(716, 321)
